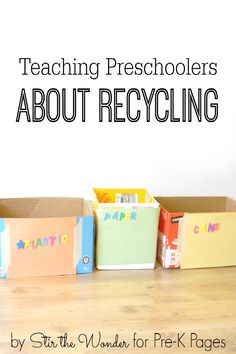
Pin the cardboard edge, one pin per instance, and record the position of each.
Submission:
(127, 266)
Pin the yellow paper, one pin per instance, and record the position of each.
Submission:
(209, 240)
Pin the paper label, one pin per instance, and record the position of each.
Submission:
(126, 198)
(171, 258)
(168, 255)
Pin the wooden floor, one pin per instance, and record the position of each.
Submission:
(168, 302)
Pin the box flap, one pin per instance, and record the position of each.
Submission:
(230, 205)
(42, 207)
(193, 204)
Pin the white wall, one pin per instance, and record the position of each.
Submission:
(69, 159)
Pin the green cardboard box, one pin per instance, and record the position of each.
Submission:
(126, 228)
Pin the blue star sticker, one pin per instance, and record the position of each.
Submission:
(20, 244)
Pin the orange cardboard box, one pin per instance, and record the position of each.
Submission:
(45, 236)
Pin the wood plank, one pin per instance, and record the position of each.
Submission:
(163, 301)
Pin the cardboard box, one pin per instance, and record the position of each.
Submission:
(45, 236)
(126, 228)
(197, 232)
